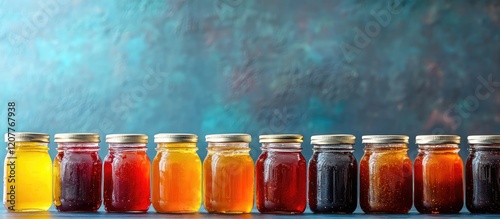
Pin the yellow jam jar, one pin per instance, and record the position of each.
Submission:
(27, 173)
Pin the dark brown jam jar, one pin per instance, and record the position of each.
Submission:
(483, 174)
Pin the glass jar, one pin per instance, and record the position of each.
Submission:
(439, 187)
(483, 174)
(28, 172)
(386, 175)
(176, 174)
(77, 172)
(228, 174)
(281, 175)
(127, 174)
(333, 174)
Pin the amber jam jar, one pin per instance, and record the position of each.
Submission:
(483, 174)
(333, 174)
(228, 174)
(386, 175)
(438, 175)
(281, 175)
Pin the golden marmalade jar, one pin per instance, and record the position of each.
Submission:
(439, 180)
(176, 174)
(228, 174)
(27, 173)
(386, 175)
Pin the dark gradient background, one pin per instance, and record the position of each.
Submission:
(258, 67)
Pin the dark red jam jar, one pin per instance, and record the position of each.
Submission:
(281, 175)
(77, 173)
(127, 174)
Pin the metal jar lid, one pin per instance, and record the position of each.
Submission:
(227, 138)
(77, 138)
(127, 138)
(176, 138)
(484, 139)
(28, 137)
(333, 139)
(385, 139)
(283, 138)
(437, 139)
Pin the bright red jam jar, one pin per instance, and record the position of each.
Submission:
(281, 181)
(127, 174)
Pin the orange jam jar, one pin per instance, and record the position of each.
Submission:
(176, 174)
(386, 175)
(439, 186)
(228, 174)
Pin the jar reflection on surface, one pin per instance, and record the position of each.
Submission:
(386, 175)
(483, 174)
(228, 174)
(176, 174)
(127, 174)
(27, 173)
(281, 178)
(333, 172)
(77, 173)
(438, 175)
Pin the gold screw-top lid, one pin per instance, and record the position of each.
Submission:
(77, 138)
(484, 139)
(221, 138)
(28, 137)
(385, 139)
(283, 138)
(333, 139)
(127, 138)
(175, 138)
(437, 139)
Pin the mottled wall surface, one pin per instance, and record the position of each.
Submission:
(259, 67)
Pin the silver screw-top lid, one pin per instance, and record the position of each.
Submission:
(484, 139)
(385, 139)
(333, 139)
(281, 138)
(437, 139)
(127, 138)
(27, 137)
(227, 138)
(176, 138)
(77, 138)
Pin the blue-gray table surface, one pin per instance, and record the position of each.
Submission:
(202, 214)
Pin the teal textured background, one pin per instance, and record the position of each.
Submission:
(255, 66)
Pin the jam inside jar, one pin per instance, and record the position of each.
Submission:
(228, 174)
(333, 175)
(176, 174)
(281, 175)
(77, 173)
(386, 175)
(438, 175)
(483, 174)
(127, 174)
